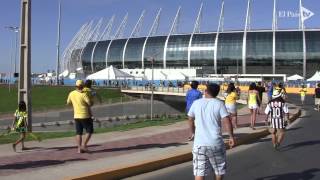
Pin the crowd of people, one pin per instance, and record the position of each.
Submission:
(206, 114)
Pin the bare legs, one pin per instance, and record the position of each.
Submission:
(234, 119)
(277, 137)
(218, 177)
(88, 136)
(253, 117)
(20, 140)
(79, 142)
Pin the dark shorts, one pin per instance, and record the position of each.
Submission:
(84, 124)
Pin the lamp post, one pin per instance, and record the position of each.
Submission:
(58, 45)
(152, 88)
(14, 29)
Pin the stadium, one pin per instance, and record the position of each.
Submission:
(269, 52)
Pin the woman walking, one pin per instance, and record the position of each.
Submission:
(253, 99)
(231, 103)
(20, 124)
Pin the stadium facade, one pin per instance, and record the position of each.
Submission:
(274, 51)
(200, 54)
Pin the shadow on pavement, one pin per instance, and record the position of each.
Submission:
(37, 164)
(305, 175)
(300, 144)
(142, 146)
(35, 149)
(293, 129)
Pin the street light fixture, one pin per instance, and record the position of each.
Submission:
(14, 29)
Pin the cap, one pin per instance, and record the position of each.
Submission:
(79, 83)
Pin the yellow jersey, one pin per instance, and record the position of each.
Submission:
(231, 98)
(303, 92)
(252, 98)
(81, 104)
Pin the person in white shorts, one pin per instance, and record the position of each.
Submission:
(231, 103)
(205, 118)
(253, 98)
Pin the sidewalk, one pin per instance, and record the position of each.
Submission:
(110, 153)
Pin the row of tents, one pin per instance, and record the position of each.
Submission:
(112, 73)
(315, 77)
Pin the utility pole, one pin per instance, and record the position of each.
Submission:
(24, 86)
(58, 45)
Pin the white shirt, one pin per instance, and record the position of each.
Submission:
(208, 113)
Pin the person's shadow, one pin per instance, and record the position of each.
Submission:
(304, 175)
(299, 144)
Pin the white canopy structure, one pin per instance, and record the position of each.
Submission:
(295, 77)
(110, 73)
(315, 77)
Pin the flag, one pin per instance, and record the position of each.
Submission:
(305, 14)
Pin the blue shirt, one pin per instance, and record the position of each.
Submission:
(270, 91)
(207, 114)
(192, 95)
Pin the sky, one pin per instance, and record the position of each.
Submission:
(77, 12)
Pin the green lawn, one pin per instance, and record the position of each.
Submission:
(51, 135)
(47, 97)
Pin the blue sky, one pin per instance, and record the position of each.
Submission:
(77, 12)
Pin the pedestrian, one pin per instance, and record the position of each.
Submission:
(317, 97)
(253, 99)
(303, 92)
(20, 125)
(192, 95)
(205, 118)
(260, 90)
(280, 88)
(81, 107)
(271, 85)
(231, 104)
(276, 108)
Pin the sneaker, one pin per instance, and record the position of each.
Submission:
(276, 146)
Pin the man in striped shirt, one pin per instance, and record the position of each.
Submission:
(276, 109)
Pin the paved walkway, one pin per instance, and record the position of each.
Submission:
(57, 158)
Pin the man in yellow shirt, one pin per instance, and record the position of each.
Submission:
(81, 107)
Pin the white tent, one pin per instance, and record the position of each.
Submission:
(315, 77)
(110, 73)
(295, 77)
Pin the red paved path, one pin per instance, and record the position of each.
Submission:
(41, 157)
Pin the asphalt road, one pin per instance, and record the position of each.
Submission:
(297, 159)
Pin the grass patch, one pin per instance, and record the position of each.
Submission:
(47, 97)
(126, 127)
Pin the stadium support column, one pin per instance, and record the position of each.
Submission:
(153, 31)
(244, 44)
(302, 27)
(106, 31)
(220, 26)
(134, 33)
(195, 29)
(274, 28)
(24, 91)
(118, 34)
(172, 30)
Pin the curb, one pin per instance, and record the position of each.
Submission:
(149, 166)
